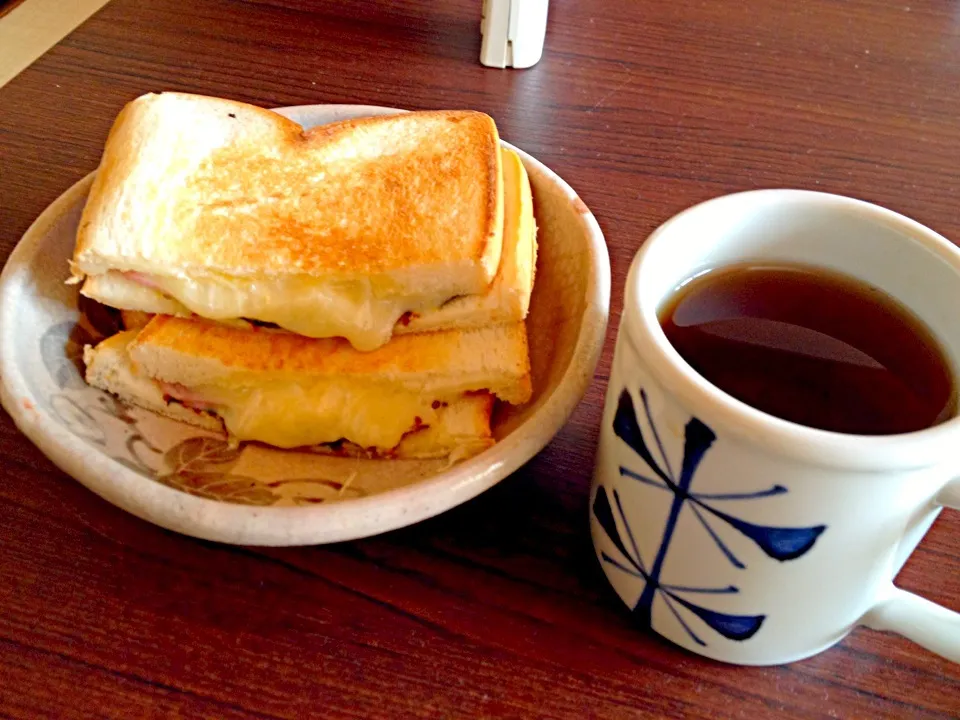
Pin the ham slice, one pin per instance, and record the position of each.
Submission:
(185, 396)
(142, 279)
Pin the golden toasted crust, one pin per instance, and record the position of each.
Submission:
(108, 368)
(134, 319)
(506, 300)
(204, 186)
(460, 429)
(508, 297)
(196, 352)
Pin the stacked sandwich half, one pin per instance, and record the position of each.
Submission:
(360, 287)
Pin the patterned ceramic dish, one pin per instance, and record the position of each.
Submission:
(190, 481)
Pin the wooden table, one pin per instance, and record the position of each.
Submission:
(497, 608)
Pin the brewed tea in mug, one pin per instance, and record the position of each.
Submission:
(812, 346)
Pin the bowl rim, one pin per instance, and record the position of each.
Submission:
(299, 525)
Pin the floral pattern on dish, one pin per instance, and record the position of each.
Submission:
(192, 461)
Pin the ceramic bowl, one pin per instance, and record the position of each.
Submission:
(192, 482)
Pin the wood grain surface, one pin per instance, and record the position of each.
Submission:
(497, 608)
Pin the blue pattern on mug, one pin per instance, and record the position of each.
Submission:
(782, 544)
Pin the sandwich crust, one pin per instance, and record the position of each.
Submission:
(194, 352)
(458, 429)
(198, 186)
(506, 300)
(508, 297)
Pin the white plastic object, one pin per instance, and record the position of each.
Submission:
(513, 32)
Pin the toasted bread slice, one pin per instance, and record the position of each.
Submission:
(134, 319)
(507, 299)
(234, 211)
(459, 429)
(108, 367)
(197, 353)
(291, 391)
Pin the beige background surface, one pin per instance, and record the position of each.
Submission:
(34, 26)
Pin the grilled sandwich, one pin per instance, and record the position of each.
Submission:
(228, 211)
(359, 288)
(421, 395)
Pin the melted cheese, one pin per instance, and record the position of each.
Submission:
(288, 415)
(362, 311)
(307, 306)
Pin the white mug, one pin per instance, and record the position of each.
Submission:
(738, 535)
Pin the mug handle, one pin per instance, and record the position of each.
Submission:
(926, 623)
